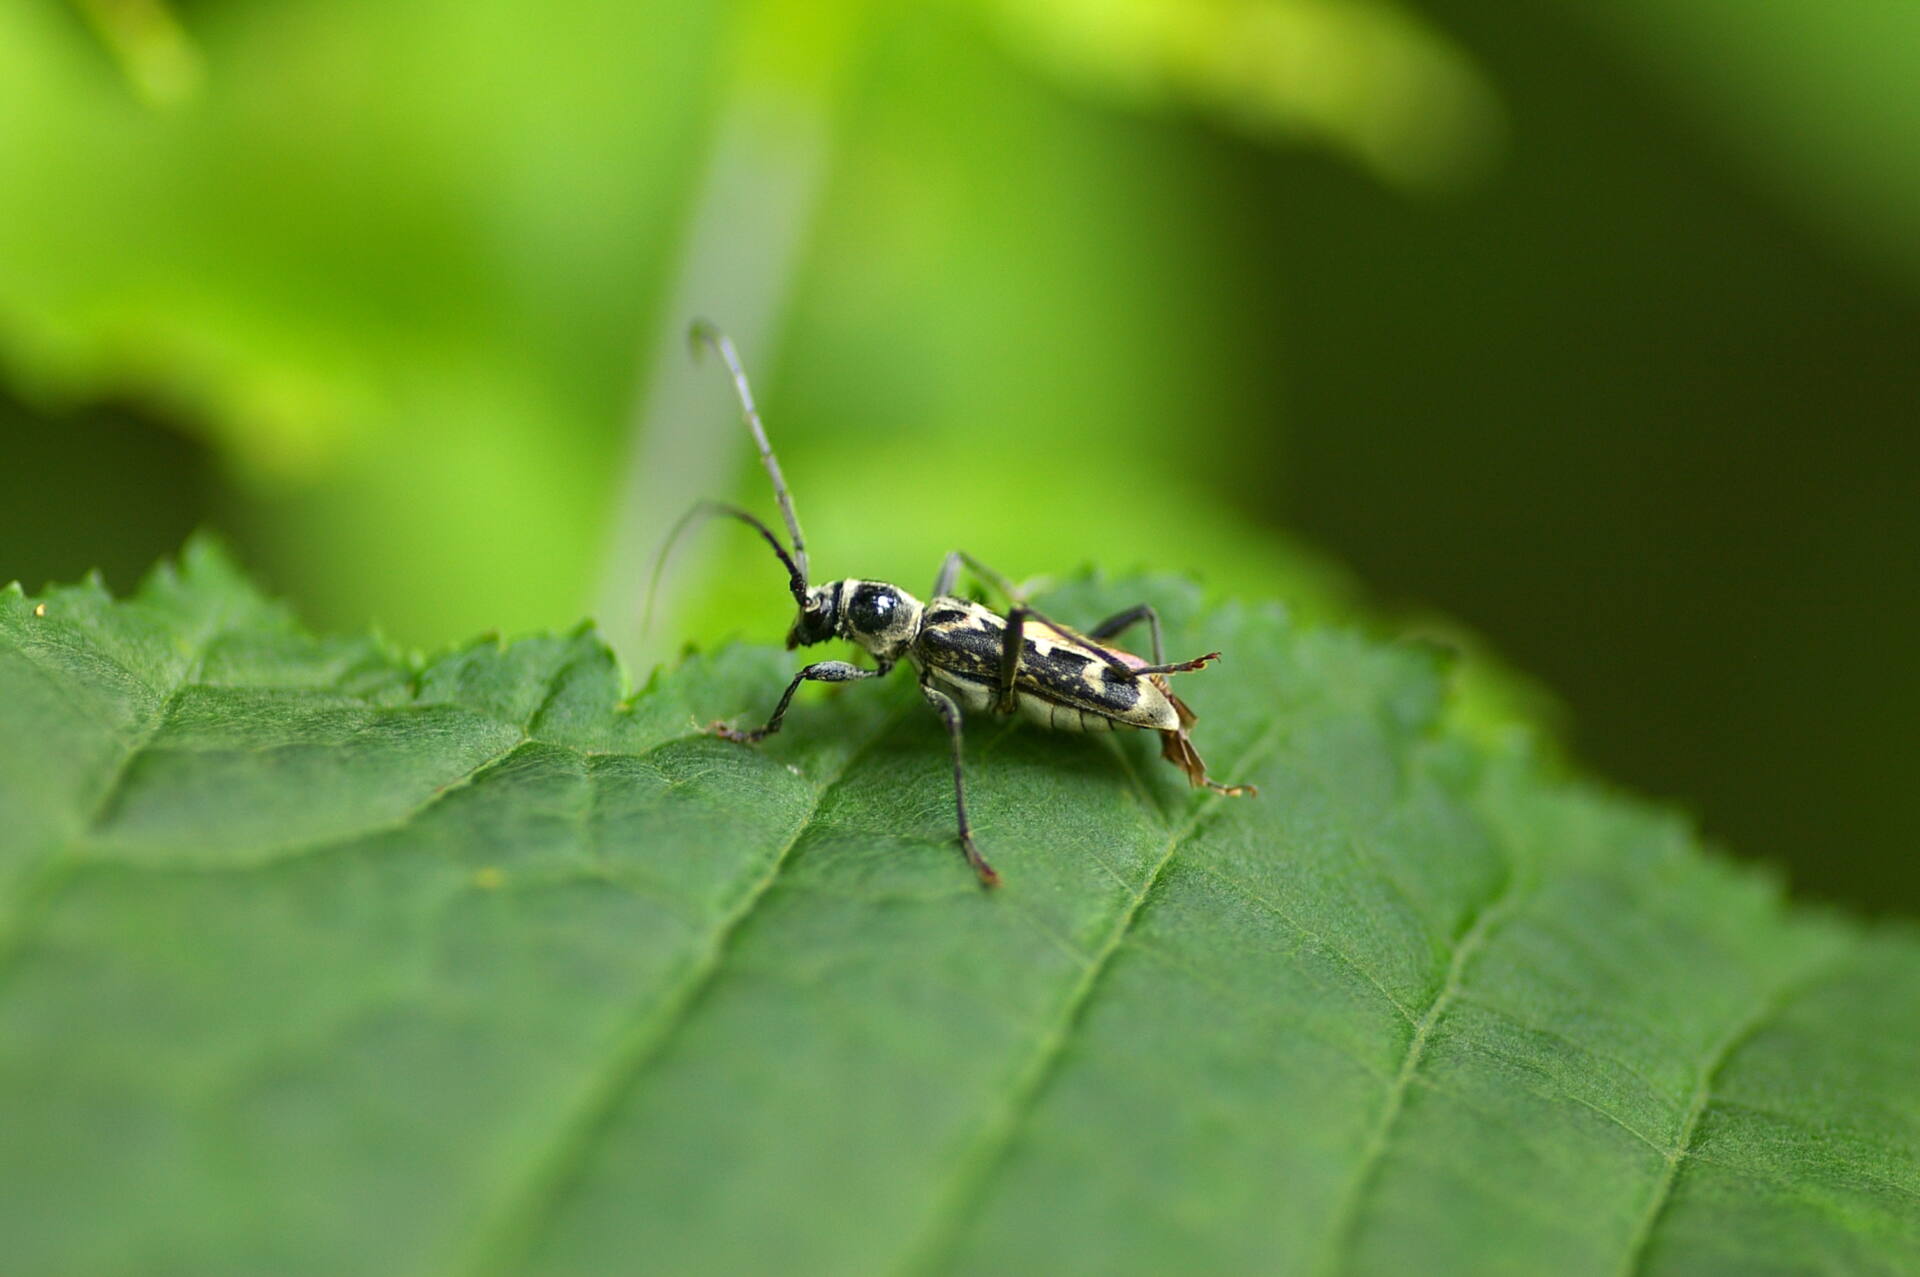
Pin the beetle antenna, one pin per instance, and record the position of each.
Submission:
(701, 512)
(703, 332)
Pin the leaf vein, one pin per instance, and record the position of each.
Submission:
(1799, 1184)
(528, 1212)
(1526, 1025)
(1345, 959)
(1342, 1234)
(996, 1141)
(1257, 1011)
(1560, 1092)
(1771, 1003)
(46, 880)
(275, 857)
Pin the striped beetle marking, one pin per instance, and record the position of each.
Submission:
(969, 658)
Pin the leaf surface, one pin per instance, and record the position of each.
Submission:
(319, 959)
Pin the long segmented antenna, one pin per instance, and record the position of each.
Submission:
(702, 511)
(702, 331)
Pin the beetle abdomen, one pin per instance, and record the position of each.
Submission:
(1063, 718)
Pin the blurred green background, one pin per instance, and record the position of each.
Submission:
(1592, 326)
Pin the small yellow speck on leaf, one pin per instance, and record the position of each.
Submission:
(39, 609)
(488, 879)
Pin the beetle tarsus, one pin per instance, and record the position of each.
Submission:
(1181, 667)
(989, 876)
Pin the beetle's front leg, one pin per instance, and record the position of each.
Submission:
(819, 672)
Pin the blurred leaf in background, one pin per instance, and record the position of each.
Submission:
(1820, 104)
(1371, 81)
(390, 261)
(399, 264)
(1642, 418)
(397, 292)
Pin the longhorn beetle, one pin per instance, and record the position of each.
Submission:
(967, 657)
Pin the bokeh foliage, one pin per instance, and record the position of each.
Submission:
(396, 264)
(1157, 284)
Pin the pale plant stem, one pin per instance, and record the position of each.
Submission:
(749, 227)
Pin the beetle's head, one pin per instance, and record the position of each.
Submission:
(819, 616)
(879, 617)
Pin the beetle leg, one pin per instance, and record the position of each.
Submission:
(1012, 644)
(1112, 661)
(1008, 590)
(949, 574)
(1133, 616)
(1010, 656)
(1177, 748)
(1120, 621)
(1181, 667)
(950, 713)
(819, 672)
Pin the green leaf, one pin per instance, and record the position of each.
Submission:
(319, 959)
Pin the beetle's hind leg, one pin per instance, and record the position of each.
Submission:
(1177, 748)
(950, 713)
(1120, 622)
(1180, 667)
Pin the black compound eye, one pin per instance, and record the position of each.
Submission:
(872, 607)
(813, 625)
